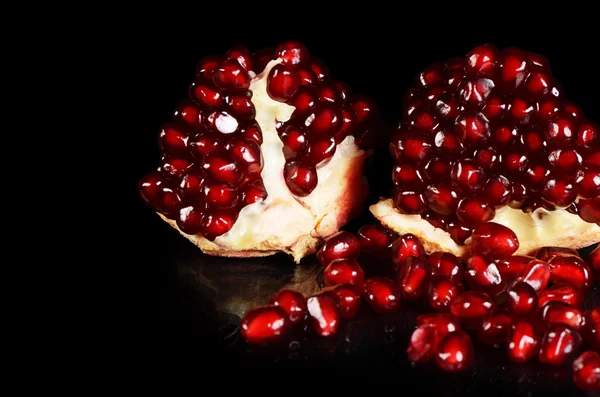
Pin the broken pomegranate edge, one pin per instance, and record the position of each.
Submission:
(491, 138)
(267, 156)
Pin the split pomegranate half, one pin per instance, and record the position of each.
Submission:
(491, 138)
(265, 156)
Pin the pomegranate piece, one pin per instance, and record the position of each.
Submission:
(325, 314)
(348, 299)
(523, 341)
(404, 247)
(558, 343)
(382, 294)
(447, 265)
(547, 253)
(441, 293)
(521, 299)
(472, 305)
(537, 274)
(511, 267)
(293, 303)
(495, 328)
(591, 328)
(594, 259)
(494, 241)
(376, 240)
(586, 371)
(423, 343)
(556, 312)
(561, 293)
(483, 275)
(443, 322)
(344, 271)
(342, 245)
(455, 352)
(571, 270)
(264, 325)
(414, 277)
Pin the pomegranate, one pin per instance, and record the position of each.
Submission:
(489, 139)
(523, 341)
(382, 294)
(344, 271)
(376, 240)
(264, 324)
(266, 156)
(586, 371)
(556, 312)
(324, 312)
(495, 328)
(521, 299)
(558, 343)
(293, 303)
(571, 270)
(455, 352)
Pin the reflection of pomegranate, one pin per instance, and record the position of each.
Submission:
(267, 155)
(491, 138)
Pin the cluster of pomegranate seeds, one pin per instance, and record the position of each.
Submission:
(488, 131)
(211, 159)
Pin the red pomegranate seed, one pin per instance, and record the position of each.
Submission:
(192, 185)
(406, 175)
(591, 328)
(447, 265)
(283, 82)
(207, 66)
(242, 55)
(414, 277)
(441, 199)
(405, 246)
(150, 187)
(222, 168)
(253, 192)
(202, 145)
(498, 191)
(495, 241)
(514, 67)
(558, 343)
(505, 136)
(217, 223)
(559, 192)
(589, 210)
(423, 343)
(174, 167)
(586, 371)
(169, 202)
(410, 202)
(265, 324)
(348, 299)
(587, 183)
(300, 178)
(382, 294)
(441, 293)
(190, 220)
(510, 267)
(292, 53)
(483, 275)
(413, 147)
(571, 270)
(319, 151)
(556, 312)
(438, 169)
(473, 129)
(459, 231)
(587, 136)
(293, 303)
(455, 352)
(562, 293)
(472, 305)
(230, 75)
(325, 314)
(376, 240)
(482, 60)
(521, 299)
(495, 328)
(474, 211)
(324, 121)
(342, 245)
(343, 271)
(220, 196)
(594, 259)
(561, 130)
(523, 341)
(537, 274)
(547, 253)
(173, 139)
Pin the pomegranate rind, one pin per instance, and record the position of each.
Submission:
(572, 232)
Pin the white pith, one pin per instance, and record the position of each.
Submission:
(534, 230)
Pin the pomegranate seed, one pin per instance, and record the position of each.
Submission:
(203, 145)
(247, 154)
(222, 168)
(494, 109)
(571, 270)
(241, 106)
(343, 271)
(207, 66)
(586, 371)
(382, 294)
(472, 305)
(292, 53)
(293, 303)
(319, 69)
(559, 192)
(455, 352)
(173, 139)
(190, 220)
(265, 324)
(495, 241)
(521, 299)
(324, 121)
(523, 341)
(262, 58)
(587, 136)
(410, 202)
(283, 82)
(547, 253)
(348, 299)
(294, 141)
(556, 312)
(217, 223)
(587, 183)
(319, 151)
(405, 175)
(447, 265)
(231, 75)
(432, 75)
(169, 202)
(495, 328)
(174, 167)
(594, 259)
(562, 293)
(443, 322)
(254, 192)
(220, 196)
(413, 147)
(438, 169)
(589, 210)
(423, 343)
(558, 343)
(414, 277)
(483, 275)
(498, 191)
(441, 293)
(474, 211)
(482, 60)
(376, 240)
(561, 130)
(242, 55)
(537, 274)
(447, 143)
(591, 328)
(300, 178)
(441, 199)
(192, 185)
(404, 247)
(188, 112)
(459, 231)
(342, 245)
(505, 136)
(324, 312)
(473, 129)
(510, 267)
(513, 65)
(150, 188)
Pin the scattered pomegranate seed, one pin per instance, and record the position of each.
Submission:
(495, 328)
(382, 294)
(343, 271)
(348, 299)
(591, 328)
(556, 312)
(537, 274)
(293, 303)
(521, 299)
(483, 275)
(558, 343)
(342, 245)
(265, 324)
(441, 293)
(594, 259)
(325, 314)
(562, 293)
(444, 322)
(472, 305)
(586, 371)
(446, 265)
(376, 240)
(523, 341)
(423, 343)
(414, 277)
(494, 241)
(571, 270)
(455, 352)
(405, 246)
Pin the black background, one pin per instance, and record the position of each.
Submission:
(155, 62)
